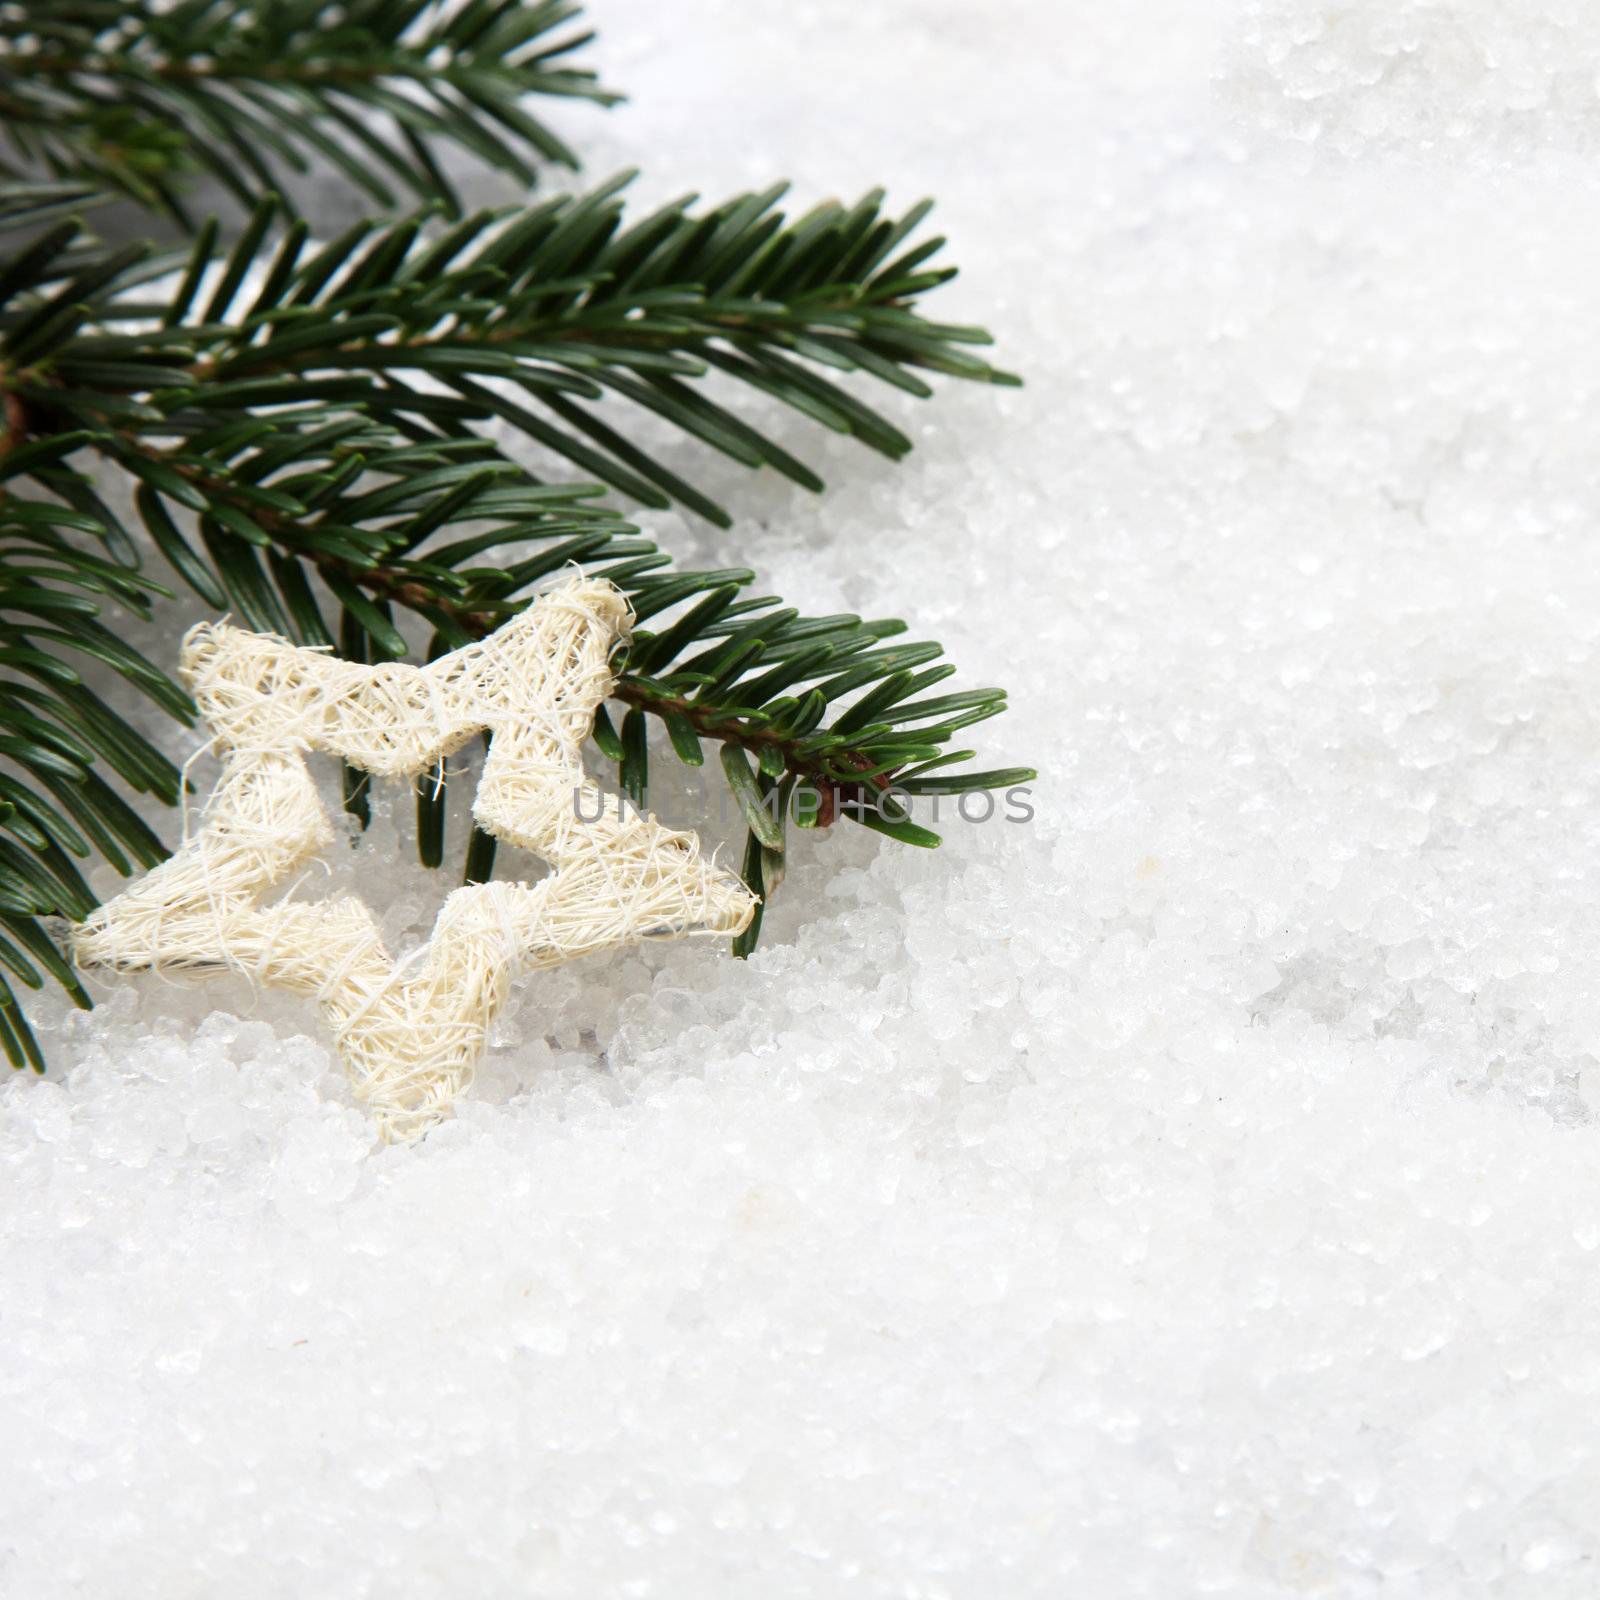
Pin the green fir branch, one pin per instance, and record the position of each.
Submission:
(136, 99)
(301, 425)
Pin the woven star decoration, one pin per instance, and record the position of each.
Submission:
(411, 1034)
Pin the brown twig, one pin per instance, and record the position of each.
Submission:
(15, 416)
(388, 583)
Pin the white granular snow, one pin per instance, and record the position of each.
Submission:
(1450, 75)
(1195, 1192)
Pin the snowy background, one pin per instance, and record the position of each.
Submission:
(1196, 1192)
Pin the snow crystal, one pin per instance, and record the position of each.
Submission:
(1194, 1191)
(1448, 75)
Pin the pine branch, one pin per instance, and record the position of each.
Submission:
(134, 98)
(55, 735)
(299, 422)
(551, 321)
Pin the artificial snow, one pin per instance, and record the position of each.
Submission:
(1194, 1191)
